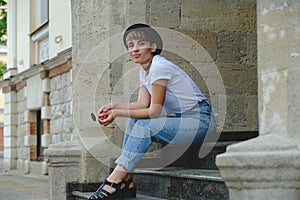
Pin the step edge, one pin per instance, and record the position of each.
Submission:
(80, 194)
(172, 173)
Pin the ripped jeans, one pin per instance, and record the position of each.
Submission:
(179, 131)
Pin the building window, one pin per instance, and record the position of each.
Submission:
(43, 49)
(40, 34)
(42, 11)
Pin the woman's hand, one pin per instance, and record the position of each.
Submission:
(105, 118)
(105, 114)
(105, 108)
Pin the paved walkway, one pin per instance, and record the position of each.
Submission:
(16, 186)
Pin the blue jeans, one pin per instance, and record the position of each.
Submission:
(177, 132)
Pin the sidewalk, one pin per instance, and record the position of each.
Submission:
(17, 186)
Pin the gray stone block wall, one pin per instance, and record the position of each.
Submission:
(217, 15)
(23, 153)
(61, 97)
(229, 29)
(61, 117)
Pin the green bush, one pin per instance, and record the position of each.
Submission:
(2, 69)
(3, 23)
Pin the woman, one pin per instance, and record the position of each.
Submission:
(163, 86)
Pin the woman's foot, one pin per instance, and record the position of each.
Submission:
(108, 190)
(111, 187)
(128, 188)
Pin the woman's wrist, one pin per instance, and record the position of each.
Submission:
(114, 105)
(117, 113)
(120, 113)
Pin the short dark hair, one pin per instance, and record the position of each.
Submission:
(146, 32)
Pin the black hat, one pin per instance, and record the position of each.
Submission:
(152, 35)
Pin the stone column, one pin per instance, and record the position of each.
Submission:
(10, 128)
(10, 96)
(92, 58)
(268, 167)
(64, 167)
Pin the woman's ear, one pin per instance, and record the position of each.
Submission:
(153, 47)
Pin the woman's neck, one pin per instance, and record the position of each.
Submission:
(147, 66)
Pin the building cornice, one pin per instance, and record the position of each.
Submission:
(47, 65)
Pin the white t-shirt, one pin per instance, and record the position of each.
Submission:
(182, 94)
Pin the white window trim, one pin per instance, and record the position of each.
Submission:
(40, 34)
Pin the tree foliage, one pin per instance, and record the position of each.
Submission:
(3, 32)
(3, 23)
(2, 69)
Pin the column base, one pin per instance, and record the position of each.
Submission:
(266, 167)
(64, 167)
(9, 164)
(9, 158)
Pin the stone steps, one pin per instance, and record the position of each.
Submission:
(186, 178)
(77, 195)
(179, 183)
(170, 183)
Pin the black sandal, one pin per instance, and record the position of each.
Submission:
(128, 192)
(103, 194)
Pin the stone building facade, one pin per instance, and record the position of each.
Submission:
(31, 126)
(37, 85)
(243, 38)
(41, 83)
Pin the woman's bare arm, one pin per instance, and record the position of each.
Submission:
(143, 101)
(156, 103)
(152, 111)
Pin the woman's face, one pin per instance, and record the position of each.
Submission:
(141, 51)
